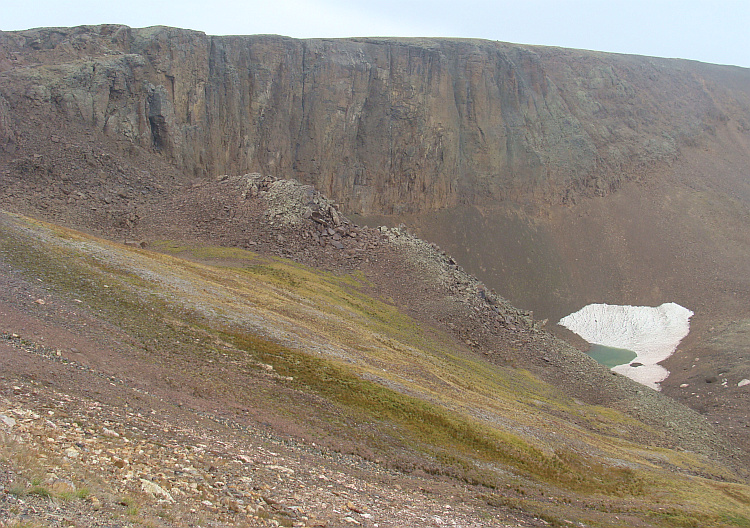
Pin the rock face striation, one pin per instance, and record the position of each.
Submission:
(383, 126)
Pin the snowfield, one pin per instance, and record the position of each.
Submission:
(653, 333)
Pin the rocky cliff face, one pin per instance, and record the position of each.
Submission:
(383, 125)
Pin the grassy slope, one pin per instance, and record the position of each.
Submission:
(377, 379)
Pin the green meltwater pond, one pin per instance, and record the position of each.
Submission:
(611, 356)
(650, 333)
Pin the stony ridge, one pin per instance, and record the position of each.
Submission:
(307, 216)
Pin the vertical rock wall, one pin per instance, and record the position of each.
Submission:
(383, 125)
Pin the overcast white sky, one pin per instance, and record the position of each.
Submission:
(710, 31)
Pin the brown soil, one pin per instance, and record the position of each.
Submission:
(94, 412)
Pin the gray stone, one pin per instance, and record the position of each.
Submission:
(7, 421)
(157, 491)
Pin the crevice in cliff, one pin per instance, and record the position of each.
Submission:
(158, 131)
(303, 114)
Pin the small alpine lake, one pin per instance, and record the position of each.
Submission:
(611, 356)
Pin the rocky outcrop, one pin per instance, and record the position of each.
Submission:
(315, 218)
(381, 125)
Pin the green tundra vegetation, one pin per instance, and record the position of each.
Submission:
(358, 375)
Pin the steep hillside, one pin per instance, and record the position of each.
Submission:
(224, 386)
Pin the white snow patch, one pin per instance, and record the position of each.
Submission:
(653, 333)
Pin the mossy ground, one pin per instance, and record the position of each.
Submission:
(376, 378)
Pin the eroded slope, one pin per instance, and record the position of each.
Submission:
(242, 339)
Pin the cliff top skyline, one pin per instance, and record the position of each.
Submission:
(692, 30)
